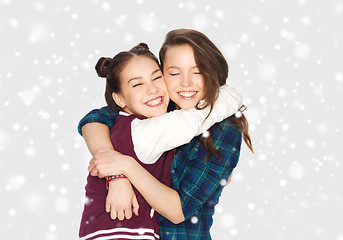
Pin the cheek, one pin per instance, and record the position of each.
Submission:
(201, 84)
(169, 84)
(162, 85)
(135, 95)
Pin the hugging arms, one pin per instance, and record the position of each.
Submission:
(151, 137)
(193, 70)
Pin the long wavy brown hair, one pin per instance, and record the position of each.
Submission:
(215, 70)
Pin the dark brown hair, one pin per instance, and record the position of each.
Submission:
(110, 68)
(214, 70)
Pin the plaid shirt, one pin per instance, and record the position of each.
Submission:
(198, 182)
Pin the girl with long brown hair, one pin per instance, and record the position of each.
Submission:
(194, 69)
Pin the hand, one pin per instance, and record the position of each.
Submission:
(121, 200)
(228, 181)
(107, 162)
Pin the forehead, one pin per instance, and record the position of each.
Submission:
(180, 54)
(139, 63)
(138, 66)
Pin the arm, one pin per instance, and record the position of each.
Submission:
(166, 128)
(152, 137)
(205, 180)
(171, 206)
(97, 138)
(195, 188)
(163, 199)
(121, 200)
(95, 128)
(104, 115)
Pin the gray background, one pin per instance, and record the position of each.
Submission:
(284, 56)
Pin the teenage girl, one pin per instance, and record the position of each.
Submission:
(191, 63)
(135, 87)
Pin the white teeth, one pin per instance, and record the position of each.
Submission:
(154, 102)
(187, 94)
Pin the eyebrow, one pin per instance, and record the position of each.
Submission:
(157, 70)
(139, 77)
(134, 78)
(179, 68)
(172, 67)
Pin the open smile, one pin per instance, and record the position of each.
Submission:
(155, 102)
(187, 95)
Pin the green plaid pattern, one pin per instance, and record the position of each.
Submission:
(198, 182)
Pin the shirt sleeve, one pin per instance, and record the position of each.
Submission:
(103, 115)
(203, 178)
(153, 136)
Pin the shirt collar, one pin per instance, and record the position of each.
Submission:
(124, 113)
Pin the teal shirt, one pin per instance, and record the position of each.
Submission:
(199, 183)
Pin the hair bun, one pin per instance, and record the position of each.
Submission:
(140, 47)
(102, 66)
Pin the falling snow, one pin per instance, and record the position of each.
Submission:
(227, 221)
(194, 220)
(62, 204)
(284, 57)
(15, 182)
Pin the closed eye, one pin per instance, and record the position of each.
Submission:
(174, 74)
(157, 78)
(136, 85)
(197, 73)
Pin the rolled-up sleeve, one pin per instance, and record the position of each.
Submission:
(202, 178)
(103, 115)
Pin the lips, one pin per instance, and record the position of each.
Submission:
(154, 102)
(187, 94)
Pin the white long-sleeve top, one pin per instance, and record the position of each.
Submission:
(151, 137)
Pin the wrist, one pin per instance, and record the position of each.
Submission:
(113, 178)
(128, 166)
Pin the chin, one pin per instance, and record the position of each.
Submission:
(158, 113)
(186, 106)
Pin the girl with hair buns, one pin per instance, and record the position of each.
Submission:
(135, 88)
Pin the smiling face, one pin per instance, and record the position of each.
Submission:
(143, 90)
(184, 81)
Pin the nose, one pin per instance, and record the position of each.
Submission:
(186, 80)
(152, 89)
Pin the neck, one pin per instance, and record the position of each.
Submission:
(125, 109)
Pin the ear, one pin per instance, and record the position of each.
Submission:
(118, 99)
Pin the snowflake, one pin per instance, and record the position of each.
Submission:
(194, 219)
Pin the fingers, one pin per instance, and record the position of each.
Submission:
(135, 205)
(113, 214)
(91, 161)
(128, 213)
(229, 180)
(94, 172)
(91, 166)
(108, 207)
(112, 211)
(121, 215)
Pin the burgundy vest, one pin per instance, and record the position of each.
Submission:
(95, 217)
